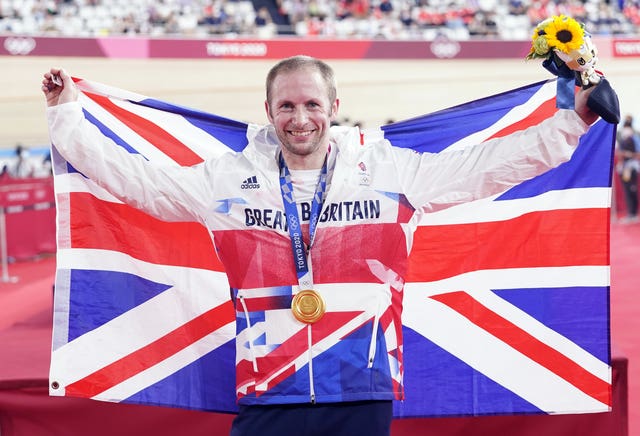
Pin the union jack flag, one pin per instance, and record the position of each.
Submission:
(505, 305)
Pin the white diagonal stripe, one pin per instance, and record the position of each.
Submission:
(532, 104)
(169, 366)
(86, 354)
(488, 209)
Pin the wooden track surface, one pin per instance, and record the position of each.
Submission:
(370, 91)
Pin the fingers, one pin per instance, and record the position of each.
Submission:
(51, 80)
(58, 87)
(63, 75)
(55, 77)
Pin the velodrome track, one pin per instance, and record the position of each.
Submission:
(370, 91)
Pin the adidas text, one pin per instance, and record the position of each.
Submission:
(250, 183)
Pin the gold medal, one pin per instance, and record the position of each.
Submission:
(307, 306)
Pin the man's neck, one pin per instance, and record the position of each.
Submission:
(308, 162)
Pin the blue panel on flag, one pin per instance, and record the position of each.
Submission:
(202, 385)
(108, 132)
(577, 313)
(61, 166)
(97, 297)
(105, 131)
(439, 384)
(589, 167)
(230, 132)
(434, 132)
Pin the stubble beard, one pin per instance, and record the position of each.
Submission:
(303, 149)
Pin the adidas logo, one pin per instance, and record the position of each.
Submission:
(250, 183)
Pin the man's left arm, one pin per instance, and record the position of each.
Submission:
(439, 181)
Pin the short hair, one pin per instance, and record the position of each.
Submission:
(299, 62)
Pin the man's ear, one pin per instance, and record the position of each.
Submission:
(334, 109)
(266, 108)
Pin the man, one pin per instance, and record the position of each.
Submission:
(22, 168)
(318, 305)
(627, 150)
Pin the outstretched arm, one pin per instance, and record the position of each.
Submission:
(168, 192)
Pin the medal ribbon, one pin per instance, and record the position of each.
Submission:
(300, 259)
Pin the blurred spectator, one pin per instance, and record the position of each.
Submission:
(628, 165)
(22, 167)
(264, 25)
(631, 11)
(483, 25)
(385, 7)
(47, 165)
(24, 162)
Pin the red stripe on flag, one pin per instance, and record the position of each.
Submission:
(151, 132)
(544, 111)
(528, 345)
(154, 353)
(130, 231)
(539, 239)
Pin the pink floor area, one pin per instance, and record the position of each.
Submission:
(25, 320)
(625, 309)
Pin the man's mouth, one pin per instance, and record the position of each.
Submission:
(300, 133)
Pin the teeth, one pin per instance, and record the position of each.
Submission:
(304, 133)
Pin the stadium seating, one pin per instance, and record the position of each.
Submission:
(389, 19)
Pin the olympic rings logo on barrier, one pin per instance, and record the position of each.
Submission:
(445, 48)
(18, 45)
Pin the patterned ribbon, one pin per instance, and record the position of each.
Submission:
(301, 255)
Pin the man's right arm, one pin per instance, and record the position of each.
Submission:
(168, 192)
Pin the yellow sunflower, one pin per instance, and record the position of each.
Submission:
(564, 33)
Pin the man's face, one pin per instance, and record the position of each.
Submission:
(301, 113)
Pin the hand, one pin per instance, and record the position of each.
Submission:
(581, 108)
(57, 94)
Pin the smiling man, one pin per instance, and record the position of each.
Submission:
(301, 103)
(315, 238)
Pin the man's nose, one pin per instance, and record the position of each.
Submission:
(300, 115)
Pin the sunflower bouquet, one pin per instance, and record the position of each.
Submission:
(563, 40)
